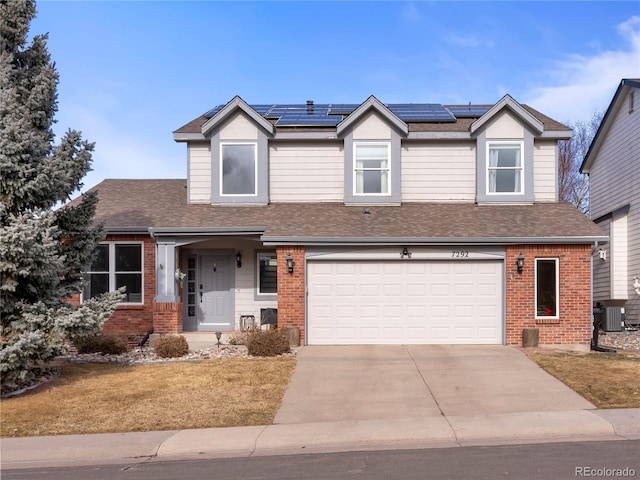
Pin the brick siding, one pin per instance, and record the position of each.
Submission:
(573, 327)
(136, 319)
(167, 317)
(291, 289)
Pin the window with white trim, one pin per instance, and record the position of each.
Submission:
(238, 168)
(504, 168)
(547, 293)
(372, 169)
(116, 265)
(267, 273)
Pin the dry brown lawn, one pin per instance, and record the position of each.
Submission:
(103, 398)
(606, 380)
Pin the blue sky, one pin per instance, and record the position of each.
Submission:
(132, 72)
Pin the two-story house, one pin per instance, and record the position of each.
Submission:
(613, 165)
(360, 224)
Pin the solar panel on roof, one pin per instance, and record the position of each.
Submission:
(428, 112)
(213, 111)
(342, 108)
(462, 111)
(279, 110)
(262, 109)
(410, 106)
(332, 114)
(303, 119)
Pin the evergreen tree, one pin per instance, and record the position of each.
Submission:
(42, 249)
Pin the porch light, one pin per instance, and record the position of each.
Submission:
(405, 253)
(290, 263)
(239, 260)
(520, 262)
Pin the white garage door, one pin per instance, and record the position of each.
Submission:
(415, 302)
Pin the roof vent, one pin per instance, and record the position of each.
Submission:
(309, 106)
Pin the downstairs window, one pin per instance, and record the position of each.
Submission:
(116, 265)
(547, 288)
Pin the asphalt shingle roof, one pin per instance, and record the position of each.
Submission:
(462, 124)
(163, 204)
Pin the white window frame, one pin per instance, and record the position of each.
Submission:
(490, 144)
(260, 293)
(112, 268)
(557, 292)
(255, 168)
(356, 169)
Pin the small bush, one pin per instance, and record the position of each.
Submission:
(107, 344)
(171, 346)
(238, 339)
(267, 343)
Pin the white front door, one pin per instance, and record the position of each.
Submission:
(413, 302)
(215, 294)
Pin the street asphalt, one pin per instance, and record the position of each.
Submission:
(370, 398)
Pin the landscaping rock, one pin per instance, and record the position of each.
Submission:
(628, 340)
(140, 356)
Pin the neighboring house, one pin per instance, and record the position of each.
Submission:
(613, 166)
(360, 224)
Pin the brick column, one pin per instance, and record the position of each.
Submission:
(167, 317)
(291, 289)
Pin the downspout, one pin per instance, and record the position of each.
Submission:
(594, 334)
(595, 326)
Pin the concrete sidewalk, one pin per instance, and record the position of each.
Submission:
(397, 433)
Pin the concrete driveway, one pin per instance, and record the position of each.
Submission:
(367, 382)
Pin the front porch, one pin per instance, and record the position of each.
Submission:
(225, 283)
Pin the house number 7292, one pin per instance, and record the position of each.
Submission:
(460, 254)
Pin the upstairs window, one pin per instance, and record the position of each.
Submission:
(116, 265)
(238, 169)
(372, 174)
(504, 169)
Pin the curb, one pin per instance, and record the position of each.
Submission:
(325, 437)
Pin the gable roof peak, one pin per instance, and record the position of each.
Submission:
(624, 87)
(372, 103)
(235, 104)
(508, 102)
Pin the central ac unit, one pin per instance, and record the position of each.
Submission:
(613, 319)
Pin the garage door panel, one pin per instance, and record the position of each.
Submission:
(440, 290)
(323, 290)
(393, 268)
(416, 290)
(439, 313)
(370, 313)
(463, 313)
(486, 333)
(346, 311)
(463, 334)
(462, 289)
(417, 268)
(405, 302)
(488, 268)
(463, 268)
(345, 333)
(345, 290)
(416, 313)
(487, 289)
(439, 268)
(370, 290)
